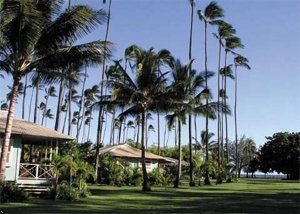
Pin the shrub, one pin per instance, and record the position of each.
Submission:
(137, 177)
(155, 176)
(9, 192)
(65, 192)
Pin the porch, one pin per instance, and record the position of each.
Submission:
(36, 174)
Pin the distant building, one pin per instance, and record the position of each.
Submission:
(134, 156)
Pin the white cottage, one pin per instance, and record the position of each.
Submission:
(134, 156)
(27, 133)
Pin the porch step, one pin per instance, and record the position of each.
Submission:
(35, 189)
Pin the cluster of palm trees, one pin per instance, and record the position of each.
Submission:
(38, 42)
(37, 39)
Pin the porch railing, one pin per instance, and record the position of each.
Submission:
(36, 171)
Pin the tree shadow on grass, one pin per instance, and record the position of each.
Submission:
(168, 201)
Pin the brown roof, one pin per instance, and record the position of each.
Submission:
(29, 130)
(126, 151)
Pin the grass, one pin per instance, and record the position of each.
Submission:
(247, 196)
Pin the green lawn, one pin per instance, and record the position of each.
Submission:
(247, 196)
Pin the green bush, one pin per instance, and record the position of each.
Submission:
(9, 192)
(73, 192)
(155, 177)
(137, 177)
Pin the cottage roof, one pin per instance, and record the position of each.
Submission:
(126, 151)
(31, 131)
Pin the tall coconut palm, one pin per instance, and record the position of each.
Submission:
(231, 43)
(35, 34)
(239, 61)
(192, 182)
(211, 13)
(225, 30)
(226, 72)
(142, 94)
(100, 114)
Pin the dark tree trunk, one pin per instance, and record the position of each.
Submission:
(100, 117)
(158, 134)
(30, 103)
(192, 182)
(146, 182)
(206, 181)
(36, 100)
(70, 110)
(59, 104)
(112, 130)
(225, 102)
(81, 108)
(219, 121)
(138, 135)
(178, 172)
(24, 96)
(235, 119)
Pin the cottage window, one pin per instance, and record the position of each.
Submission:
(9, 153)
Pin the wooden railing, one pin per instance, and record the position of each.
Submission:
(36, 171)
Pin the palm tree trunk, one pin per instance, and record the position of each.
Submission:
(235, 121)
(120, 133)
(36, 100)
(178, 173)
(165, 132)
(192, 183)
(24, 96)
(176, 136)
(30, 103)
(226, 122)
(146, 182)
(81, 108)
(104, 131)
(112, 129)
(138, 135)
(158, 134)
(65, 120)
(70, 109)
(146, 133)
(206, 181)
(100, 117)
(89, 130)
(219, 67)
(99, 137)
(59, 104)
(8, 127)
(124, 130)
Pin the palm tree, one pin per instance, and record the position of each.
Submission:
(225, 30)
(182, 87)
(142, 94)
(100, 114)
(192, 182)
(35, 34)
(249, 150)
(241, 62)
(211, 13)
(231, 43)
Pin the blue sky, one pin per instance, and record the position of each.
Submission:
(268, 94)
